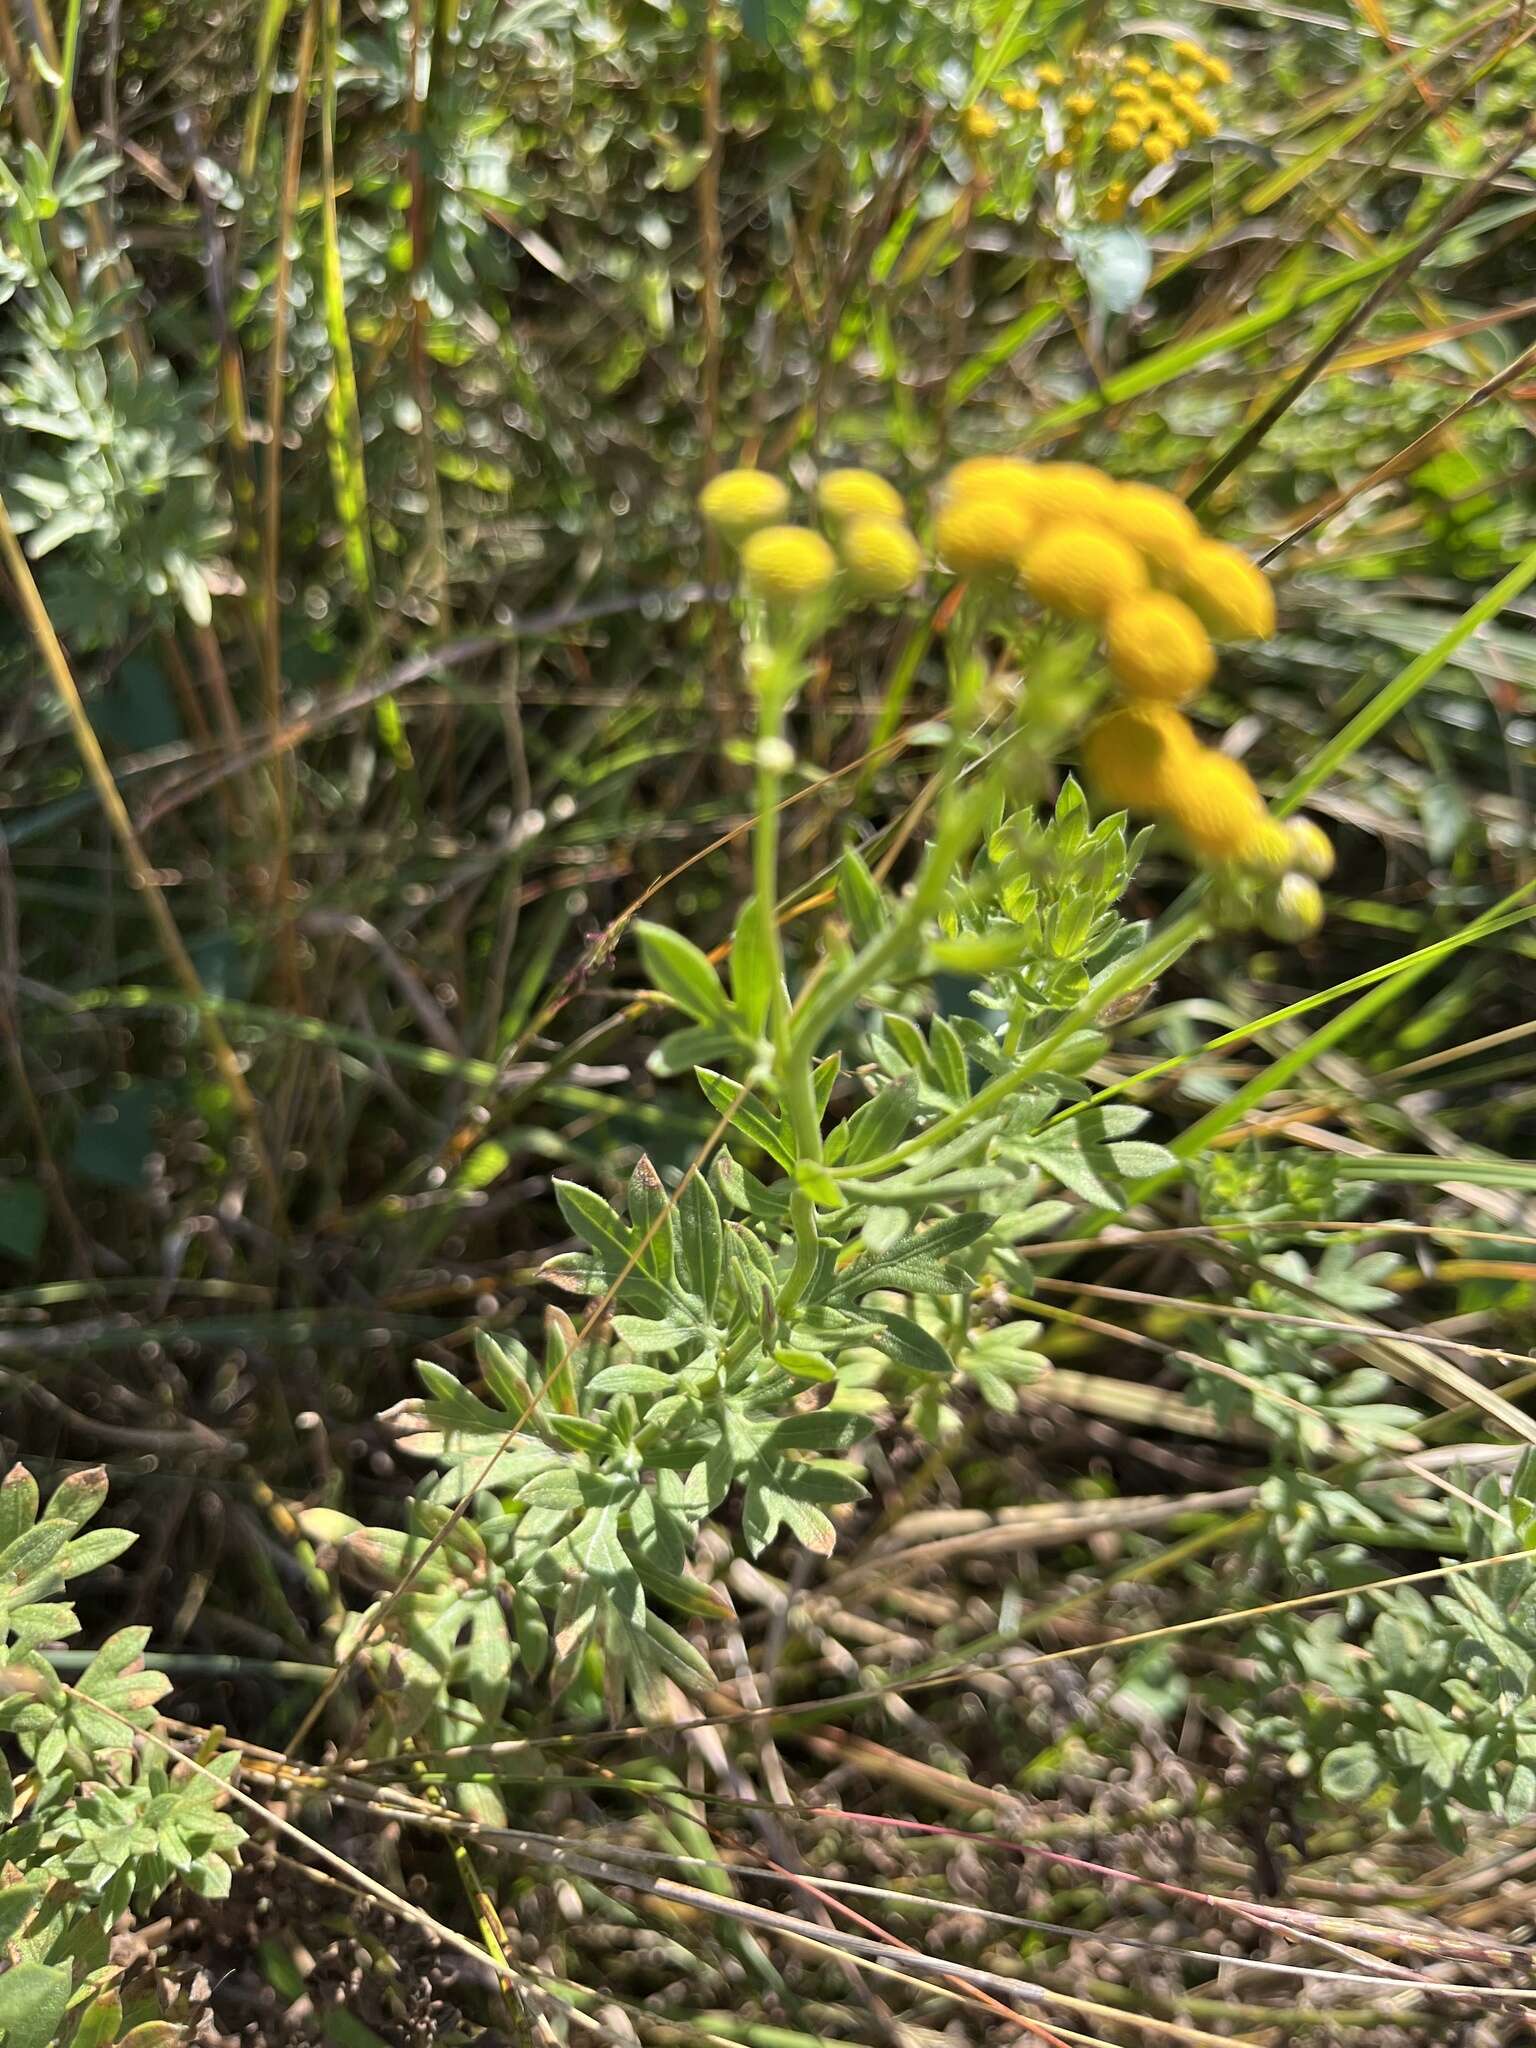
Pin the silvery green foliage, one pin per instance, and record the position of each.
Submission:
(99, 1822)
(108, 470)
(758, 1318)
(1419, 1700)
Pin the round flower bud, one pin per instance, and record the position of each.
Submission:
(1061, 491)
(1138, 67)
(1021, 99)
(1157, 149)
(1216, 69)
(1134, 756)
(981, 535)
(880, 557)
(1050, 75)
(1229, 905)
(1079, 104)
(1291, 909)
(787, 562)
(739, 501)
(1155, 521)
(1158, 648)
(1216, 806)
(1231, 595)
(858, 494)
(1123, 135)
(977, 125)
(1082, 570)
(1268, 852)
(1311, 849)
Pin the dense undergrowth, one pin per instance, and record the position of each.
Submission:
(736, 1306)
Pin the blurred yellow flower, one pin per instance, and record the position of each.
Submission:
(1158, 648)
(1156, 522)
(1081, 570)
(1215, 805)
(851, 493)
(738, 501)
(881, 558)
(787, 562)
(1133, 756)
(981, 534)
(1229, 592)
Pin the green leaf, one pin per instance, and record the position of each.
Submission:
(33, 2001)
(748, 1117)
(700, 1241)
(914, 1264)
(753, 969)
(1352, 1774)
(631, 1379)
(590, 1217)
(860, 900)
(679, 970)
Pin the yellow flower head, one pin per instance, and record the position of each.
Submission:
(1231, 595)
(977, 125)
(1157, 149)
(739, 501)
(1158, 648)
(1138, 67)
(857, 493)
(1311, 849)
(1216, 70)
(994, 477)
(1050, 74)
(1123, 135)
(1021, 99)
(1216, 806)
(1174, 131)
(1082, 570)
(1291, 909)
(1188, 52)
(1159, 81)
(1202, 120)
(1192, 81)
(1069, 491)
(981, 534)
(787, 562)
(1080, 104)
(881, 558)
(1158, 523)
(1129, 95)
(1134, 756)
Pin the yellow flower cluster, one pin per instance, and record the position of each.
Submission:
(1119, 114)
(1131, 560)
(872, 551)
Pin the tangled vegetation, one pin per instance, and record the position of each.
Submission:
(764, 894)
